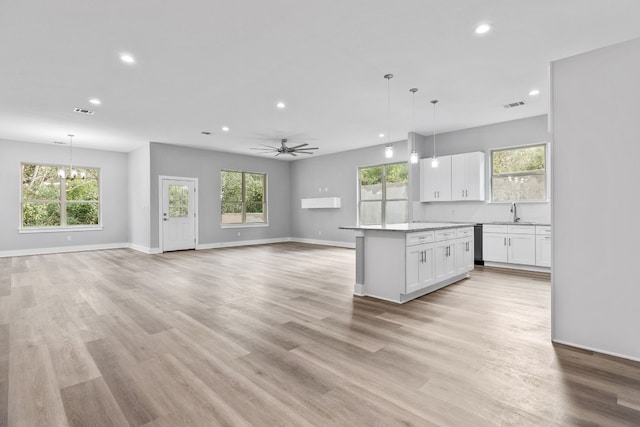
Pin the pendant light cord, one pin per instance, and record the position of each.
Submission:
(413, 118)
(434, 102)
(388, 77)
(70, 152)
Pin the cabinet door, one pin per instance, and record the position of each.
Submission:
(474, 170)
(494, 247)
(467, 176)
(444, 179)
(419, 269)
(543, 251)
(444, 260)
(435, 183)
(464, 255)
(522, 249)
(428, 181)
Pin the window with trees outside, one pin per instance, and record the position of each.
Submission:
(243, 197)
(49, 201)
(519, 174)
(383, 194)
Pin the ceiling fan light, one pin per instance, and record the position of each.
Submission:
(413, 158)
(388, 151)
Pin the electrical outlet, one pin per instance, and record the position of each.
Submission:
(68, 238)
(238, 234)
(319, 232)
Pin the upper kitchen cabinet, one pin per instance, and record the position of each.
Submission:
(435, 183)
(467, 176)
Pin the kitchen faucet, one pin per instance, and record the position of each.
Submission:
(514, 211)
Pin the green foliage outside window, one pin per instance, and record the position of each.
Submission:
(243, 197)
(519, 174)
(44, 205)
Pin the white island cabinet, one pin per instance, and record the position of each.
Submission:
(401, 262)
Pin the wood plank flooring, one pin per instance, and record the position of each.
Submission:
(272, 335)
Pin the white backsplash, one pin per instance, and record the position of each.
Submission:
(480, 212)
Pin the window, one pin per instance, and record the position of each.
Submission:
(383, 194)
(519, 174)
(243, 197)
(50, 201)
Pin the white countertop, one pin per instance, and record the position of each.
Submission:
(415, 226)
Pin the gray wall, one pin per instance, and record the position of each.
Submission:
(333, 175)
(171, 160)
(595, 290)
(139, 197)
(338, 173)
(113, 176)
(485, 138)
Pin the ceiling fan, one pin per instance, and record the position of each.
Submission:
(285, 149)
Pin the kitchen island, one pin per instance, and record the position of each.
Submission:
(401, 262)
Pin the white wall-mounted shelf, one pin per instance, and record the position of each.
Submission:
(320, 203)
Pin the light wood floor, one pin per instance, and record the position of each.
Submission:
(271, 335)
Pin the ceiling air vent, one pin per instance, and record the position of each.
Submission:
(83, 111)
(515, 104)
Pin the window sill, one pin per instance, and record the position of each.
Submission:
(58, 229)
(260, 224)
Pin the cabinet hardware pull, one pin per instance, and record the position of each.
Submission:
(505, 241)
(466, 193)
(434, 194)
(547, 237)
(462, 191)
(509, 241)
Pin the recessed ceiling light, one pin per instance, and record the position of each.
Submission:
(95, 101)
(205, 132)
(280, 105)
(483, 28)
(381, 135)
(225, 128)
(534, 92)
(125, 57)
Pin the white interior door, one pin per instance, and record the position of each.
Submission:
(178, 214)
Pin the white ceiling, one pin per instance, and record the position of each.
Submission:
(202, 64)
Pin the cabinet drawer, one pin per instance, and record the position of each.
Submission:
(543, 229)
(494, 228)
(521, 229)
(419, 238)
(464, 232)
(449, 233)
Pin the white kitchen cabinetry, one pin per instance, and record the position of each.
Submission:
(445, 254)
(467, 176)
(515, 244)
(543, 246)
(420, 271)
(435, 183)
(464, 250)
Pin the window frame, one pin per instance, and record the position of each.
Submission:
(383, 200)
(62, 201)
(265, 200)
(546, 173)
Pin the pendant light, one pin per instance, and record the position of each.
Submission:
(73, 174)
(413, 157)
(388, 149)
(434, 160)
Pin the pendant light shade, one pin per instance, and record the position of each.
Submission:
(73, 174)
(388, 149)
(413, 157)
(434, 160)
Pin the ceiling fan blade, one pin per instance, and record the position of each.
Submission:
(298, 146)
(293, 154)
(270, 146)
(262, 149)
(303, 152)
(278, 154)
(308, 148)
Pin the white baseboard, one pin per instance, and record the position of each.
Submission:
(349, 245)
(62, 249)
(518, 266)
(242, 243)
(598, 350)
(144, 249)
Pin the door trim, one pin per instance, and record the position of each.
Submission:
(161, 178)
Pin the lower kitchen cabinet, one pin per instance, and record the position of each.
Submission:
(420, 267)
(517, 244)
(445, 260)
(464, 254)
